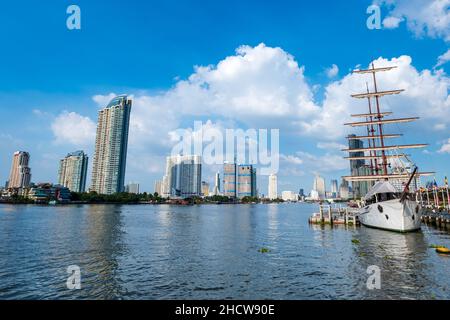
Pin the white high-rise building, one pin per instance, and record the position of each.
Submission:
(111, 143)
(273, 187)
(216, 191)
(314, 195)
(319, 186)
(159, 187)
(165, 187)
(183, 176)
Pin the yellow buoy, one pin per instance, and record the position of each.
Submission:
(443, 250)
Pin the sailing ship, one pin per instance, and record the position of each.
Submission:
(389, 175)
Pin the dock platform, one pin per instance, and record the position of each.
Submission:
(335, 216)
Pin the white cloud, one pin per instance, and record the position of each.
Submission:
(291, 159)
(392, 22)
(75, 129)
(264, 87)
(443, 59)
(423, 17)
(331, 146)
(426, 95)
(440, 127)
(103, 100)
(332, 71)
(328, 162)
(445, 147)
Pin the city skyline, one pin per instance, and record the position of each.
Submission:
(55, 112)
(73, 168)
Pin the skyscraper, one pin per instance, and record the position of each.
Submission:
(216, 191)
(358, 167)
(319, 186)
(246, 181)
(20, 175)
(159, 187)
(108, 174)
(183, 176)
(273, 187)
(230, 179)
(344, 192)
(73, 170)
(205, 189)
(334, 188)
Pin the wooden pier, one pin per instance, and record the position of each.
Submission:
(438, 219)
(335, 216)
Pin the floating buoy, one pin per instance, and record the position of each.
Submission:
(436, 246)
(443, 250)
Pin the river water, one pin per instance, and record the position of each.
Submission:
(210, 252)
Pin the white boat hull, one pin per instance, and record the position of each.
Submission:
(392, 215)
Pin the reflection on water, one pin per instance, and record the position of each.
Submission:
(210, 252)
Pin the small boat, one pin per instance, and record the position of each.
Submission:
(443, 250)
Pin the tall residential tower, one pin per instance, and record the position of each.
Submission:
(273, 187)
(108, 173)
(183, 177)
(73, 171)
(20, 175)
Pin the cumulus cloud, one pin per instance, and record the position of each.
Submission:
(440, 127)
(265, 87)
(392, 22)
(445, 147)
(73, 128)
(423, 17)
(443, 59)
(331, 146)
(426, 95)
(332, 71)
(328, 162)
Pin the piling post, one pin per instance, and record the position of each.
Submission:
(321, 214)
(330, 215)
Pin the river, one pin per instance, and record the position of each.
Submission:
(210, 252)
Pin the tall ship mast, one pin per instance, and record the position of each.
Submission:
(392, 176)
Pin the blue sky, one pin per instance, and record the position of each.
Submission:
(145, 48)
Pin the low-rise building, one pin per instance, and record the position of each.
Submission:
(46, 192)
(289, 196)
